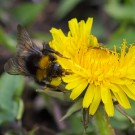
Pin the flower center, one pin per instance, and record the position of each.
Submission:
(98, 64)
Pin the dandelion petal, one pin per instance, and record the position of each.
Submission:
(88, 96)
(78, 90)
(109, 104)
(96, 101)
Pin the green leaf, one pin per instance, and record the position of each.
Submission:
(120, 11)
(75, 107)
(119, 124)
(8, 115)
(46, 37)
(131, 111)
(20, 109)
(32, 132)
(98, 29)
(76, 123)
(9, 86)
(56, 94)
(118, 36)
(65, 7)
(27, 12)
(7, 41)
(76, 126)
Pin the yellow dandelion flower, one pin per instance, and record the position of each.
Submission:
(98, 74)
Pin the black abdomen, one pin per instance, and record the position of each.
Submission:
(32, 63)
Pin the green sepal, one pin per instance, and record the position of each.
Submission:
(75, 107)
(20, 109)
(64, 96)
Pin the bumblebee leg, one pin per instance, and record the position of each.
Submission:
(46, 85)
(51, 86)
(40, 83)
(46, 49)
(52, 57)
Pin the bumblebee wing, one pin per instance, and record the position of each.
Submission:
(24, 41)
(13, 68)
(23, 38)
(38, 43)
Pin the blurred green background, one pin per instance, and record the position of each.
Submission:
(23, 111)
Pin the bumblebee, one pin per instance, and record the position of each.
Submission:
(34, 60)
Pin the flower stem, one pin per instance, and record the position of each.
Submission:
(101, 123)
